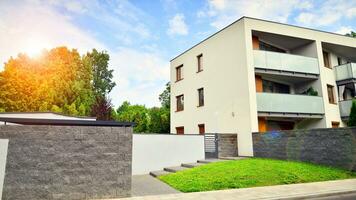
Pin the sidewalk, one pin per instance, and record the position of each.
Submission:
(294, 191)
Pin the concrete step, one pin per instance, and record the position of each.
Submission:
(174, 169)
(159, 173)
(209, 160)
(192, 165)
(233, 158)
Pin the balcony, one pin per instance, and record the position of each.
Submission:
(289, 105)
(285, 64)
(345, 72)
(345, 108)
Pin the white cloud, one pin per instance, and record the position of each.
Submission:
(328, 13)
(35, 24)
(225, 12)
(140, 76)
(345, 29)
(177, 25)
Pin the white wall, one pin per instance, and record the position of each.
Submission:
(153, 152)
(3, 154)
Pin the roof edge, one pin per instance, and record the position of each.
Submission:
(243, 17)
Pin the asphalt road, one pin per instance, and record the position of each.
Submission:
(351, 196)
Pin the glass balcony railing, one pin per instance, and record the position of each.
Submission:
(346, 71)
(345, 107)
(285, 62)
(289, 103)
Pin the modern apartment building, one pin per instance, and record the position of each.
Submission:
(256, 75)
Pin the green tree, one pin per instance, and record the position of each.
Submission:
(134, 113)
(160, 120)
(165, 96)
(55, 80)
(352, 116)
(351, 34)
(102, 76)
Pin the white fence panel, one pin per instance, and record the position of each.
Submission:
(152, 152)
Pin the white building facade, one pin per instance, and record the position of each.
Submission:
(257, 75)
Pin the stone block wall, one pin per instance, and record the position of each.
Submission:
(332, 147)
(67, 162)
(227, 145)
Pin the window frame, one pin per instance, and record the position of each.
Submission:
(199, 128)
(201, 103)
(179, 73)
(178, 108)
(332, 100)
(326, 59)
(200, 62)
(180, 128)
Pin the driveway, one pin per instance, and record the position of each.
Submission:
(143, 185)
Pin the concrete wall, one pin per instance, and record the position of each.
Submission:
(3, 154)
(152, 152)
(333, 147)
(67, 162)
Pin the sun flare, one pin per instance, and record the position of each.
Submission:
(34, 46)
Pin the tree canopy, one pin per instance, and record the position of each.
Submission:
(351, 34)
(60, 80)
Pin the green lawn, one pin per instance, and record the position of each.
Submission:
(251, 172)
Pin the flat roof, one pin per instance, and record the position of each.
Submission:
(46, 112)
(65, 122)
(258, 20)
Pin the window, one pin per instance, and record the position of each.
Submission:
(201, 97)
(200, 62)
(179, 73)
(331, 95)
(335, 124)
(339, 61)
(326, 58)
(267, 47)
(274, 87)
(180, 130)
(201, 129)
(180, 102)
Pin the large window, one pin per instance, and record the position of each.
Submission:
(201, 97)
(274, 87)
(200, 62)
(180, 130)
(326, 58)
(331, 95)
(179, 73)
(180, 102)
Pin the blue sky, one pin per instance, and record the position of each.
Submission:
(141, 36)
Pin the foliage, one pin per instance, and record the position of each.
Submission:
(102, 76)
(165, 96)
(58, 80)
(102, 108)
(138, 114)
(252, 172)
(312, 92)
(148, 120)
(351, 34)
(352, 116)
(159, 120)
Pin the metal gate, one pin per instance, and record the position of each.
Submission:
(211, 145)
